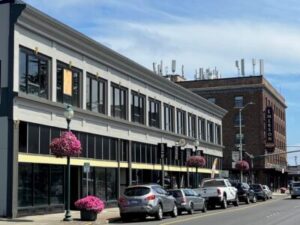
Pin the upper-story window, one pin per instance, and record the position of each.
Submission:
(238, 140)
(192, 125)
(154, 113)
(201, 129)
(212, 100)
(68, 84)
(118, 101)
(210, 132)
(181, 122)
(34, 73)
(218, 134)
(95, 94)
(138, 107)
(169, 117)
(237, 119)
(238, 101)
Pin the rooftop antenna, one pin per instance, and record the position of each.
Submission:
(196, 73)
(253, 64)
(154, 67)
(166, 70)
(158, 69)
(182, 70)
(243, 67)
(237, 66)
(173, 66)
(201, 73)
(261, 67)
(161, 67)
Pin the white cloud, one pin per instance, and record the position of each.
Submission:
(215, 43)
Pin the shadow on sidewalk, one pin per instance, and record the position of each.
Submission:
(16, 221)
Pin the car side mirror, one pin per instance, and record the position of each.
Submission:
(199, 195)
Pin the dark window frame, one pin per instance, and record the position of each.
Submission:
(40, 57)
(169, 112)
(138, 111)
(192, 129)
(123, 107)
(101, 108)
(74, 100)
(181, 120)
(154, 118)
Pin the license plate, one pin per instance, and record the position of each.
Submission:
(134, 202)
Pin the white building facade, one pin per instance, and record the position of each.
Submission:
(128, 119)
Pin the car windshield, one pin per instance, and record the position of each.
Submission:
(175, 193)
(214, 183)
(256, 187)
(136, 191)
(296, 184)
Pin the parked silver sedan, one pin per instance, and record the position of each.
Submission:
(146, 200)
(188, 200)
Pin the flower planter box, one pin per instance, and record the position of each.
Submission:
(86, 215)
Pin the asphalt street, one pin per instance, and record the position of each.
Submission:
(279, 210)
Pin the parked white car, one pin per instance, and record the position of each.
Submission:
(219, 192)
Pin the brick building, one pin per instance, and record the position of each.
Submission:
(235, 93)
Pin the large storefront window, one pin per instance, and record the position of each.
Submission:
(118, 101)
(40, 185)
(154, 113)
(138, 108)
(34, 71)
(68, 93)
(95, 94)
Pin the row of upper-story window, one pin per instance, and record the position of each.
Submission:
(34, 78)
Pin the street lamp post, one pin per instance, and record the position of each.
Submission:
(240, 134)
(196, 144)
(69, 113)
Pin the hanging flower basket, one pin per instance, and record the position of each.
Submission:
(89, 207)
(242, 165)
(196, 161)
(66, 145)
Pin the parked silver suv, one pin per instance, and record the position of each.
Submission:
(146, 200)
(295, 189)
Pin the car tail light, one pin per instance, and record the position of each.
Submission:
(183, 200)
(219, 191)
(122, 201)
(150, 197)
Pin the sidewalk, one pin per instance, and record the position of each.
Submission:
(50, 219)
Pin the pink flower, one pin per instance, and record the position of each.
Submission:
(66, 145)
(90, 203)
(242, 165)
(196, 161)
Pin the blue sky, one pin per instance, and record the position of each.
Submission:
(198, 33)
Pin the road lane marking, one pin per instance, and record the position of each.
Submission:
(217, 213)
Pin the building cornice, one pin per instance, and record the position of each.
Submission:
(41, 24)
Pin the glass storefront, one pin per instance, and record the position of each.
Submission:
(40, 184)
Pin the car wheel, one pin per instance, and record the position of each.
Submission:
(236, 202)
(191, 210)
(247, 201)
(204, 208)
(293, 196)
(159, 213)
(264, 198)
(254, 199)
(174, 212)
(224, 203)
(125, 218)
(179, 212)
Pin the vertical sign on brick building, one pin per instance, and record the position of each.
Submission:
(269, 120)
